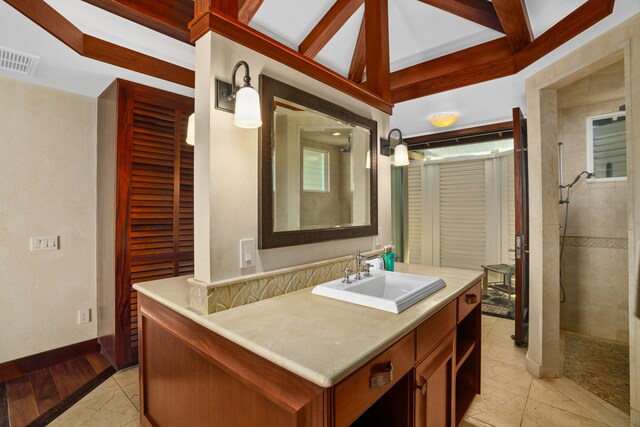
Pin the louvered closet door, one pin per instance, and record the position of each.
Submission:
(415, 214)
(158, 210)
(462, 214)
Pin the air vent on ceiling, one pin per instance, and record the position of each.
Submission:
(18, 62)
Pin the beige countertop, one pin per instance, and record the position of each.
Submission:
(320, 339)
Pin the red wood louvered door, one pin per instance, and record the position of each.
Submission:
(154, 224)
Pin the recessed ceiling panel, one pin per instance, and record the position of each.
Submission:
(107, 26)
(544, 14)
(418, 32)
(290, 20)
(338, 52)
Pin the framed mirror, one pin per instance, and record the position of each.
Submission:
(318, 169)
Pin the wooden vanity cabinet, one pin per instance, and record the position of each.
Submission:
(428, 377)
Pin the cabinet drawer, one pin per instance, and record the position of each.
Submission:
(432, 330)
(469, 300)
(362, 388)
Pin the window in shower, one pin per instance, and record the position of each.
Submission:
(607, 146)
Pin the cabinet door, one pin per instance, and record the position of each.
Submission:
(435, 383)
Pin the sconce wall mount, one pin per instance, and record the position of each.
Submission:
(243, 102)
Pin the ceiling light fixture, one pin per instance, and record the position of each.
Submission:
(400, 152)
(336, 134)
(442, 120)
(247, 100)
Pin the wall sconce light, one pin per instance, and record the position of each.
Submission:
(400, 152)
(442, 120)
(191, 125)
(247, 100)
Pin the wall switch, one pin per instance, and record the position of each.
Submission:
(84, 316)
(48, 243)
(247, 253)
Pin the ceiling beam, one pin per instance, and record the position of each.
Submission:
(583, 17)
(242, 34)
(358, 60)
(227, 7)
(328, 26)
(515, 21)
(248, 9)
(91, 47)
(482, 133)
(479, 11)
(376, 21)
(479, 63)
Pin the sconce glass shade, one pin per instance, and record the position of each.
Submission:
(191, 128)
(400, 155)
(442, 120)
(367, 163)
(247, 108)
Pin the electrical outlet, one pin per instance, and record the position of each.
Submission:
(84, 316)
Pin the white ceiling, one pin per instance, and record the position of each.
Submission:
(417, 32)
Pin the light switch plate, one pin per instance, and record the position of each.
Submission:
(46, 243)
(247, 253)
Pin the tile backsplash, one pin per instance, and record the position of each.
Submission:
(220, 296)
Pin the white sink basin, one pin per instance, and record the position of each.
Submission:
(384, 290)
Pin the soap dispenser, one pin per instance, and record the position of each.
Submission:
(389, 257)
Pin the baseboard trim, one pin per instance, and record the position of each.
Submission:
(25, 365)
(533, 367)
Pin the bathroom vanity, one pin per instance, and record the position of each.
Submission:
(305, 360)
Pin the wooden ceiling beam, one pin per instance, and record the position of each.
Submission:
(168, 17)
(228, 7)
(328, 26)
(376, 21)
(461, 136)
(248, 9)
(479, 63)
(515, 21)
(583, 17)
(242, 34)
(479, 11)
(358, 60)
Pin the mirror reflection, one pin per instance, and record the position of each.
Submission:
(321, 170)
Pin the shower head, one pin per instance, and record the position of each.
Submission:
(577, 178)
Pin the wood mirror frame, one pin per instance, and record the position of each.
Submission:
(268, 238)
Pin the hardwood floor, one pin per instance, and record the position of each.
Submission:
(42, 395)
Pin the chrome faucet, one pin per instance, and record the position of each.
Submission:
(359, 259)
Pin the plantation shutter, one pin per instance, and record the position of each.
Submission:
(462, 214)
(158, 219)
(414, 213)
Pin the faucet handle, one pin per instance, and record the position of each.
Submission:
(347, 271)
(367, 269)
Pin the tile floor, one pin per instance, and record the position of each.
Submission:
(510, 395)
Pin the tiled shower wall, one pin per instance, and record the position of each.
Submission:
(594, 266)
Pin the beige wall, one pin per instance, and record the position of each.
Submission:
(594, 265)
(621, 42)
(48, 166)
(226, 169)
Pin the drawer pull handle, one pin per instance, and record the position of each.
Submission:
(379, 379)
(423, 388)
(471, 298)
